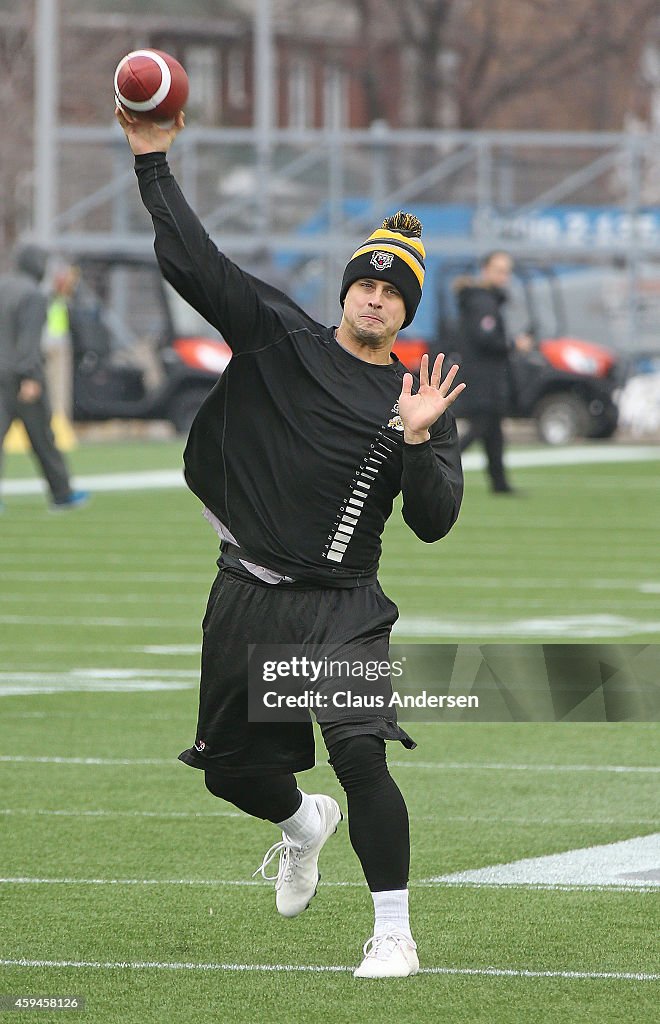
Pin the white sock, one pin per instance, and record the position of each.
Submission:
(391, 909)
(303, 826)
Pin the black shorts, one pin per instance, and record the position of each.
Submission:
(241, 612)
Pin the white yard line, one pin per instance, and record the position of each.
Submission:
(96, 680)
(205, 882)
(108, 575)
(38, 812)
(117, 674)
(432, 765)
(449, 765)
(579, 626)
(87, 620)
(93, 686)
(469, 819)
(502, 766)
(493, 972)
(423, 883)
(111, 761)
(565, 626)
(104, 717)
(142, 480)
(94, 648)
(158, 479)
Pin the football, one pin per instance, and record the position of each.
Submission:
(151, 85)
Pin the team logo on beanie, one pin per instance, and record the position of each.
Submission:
(382, 260)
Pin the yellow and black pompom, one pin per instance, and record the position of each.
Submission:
(405, 223)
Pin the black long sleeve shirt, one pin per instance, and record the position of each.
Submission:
(298, 450)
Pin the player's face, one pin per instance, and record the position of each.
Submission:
(374, 311)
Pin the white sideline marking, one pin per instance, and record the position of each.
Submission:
(630, 862)
(144, 480)
(422, 883)
(173, 478)
(496, 972)
(443, 765)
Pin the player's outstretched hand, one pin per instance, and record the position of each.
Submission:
(419, 412)
(146, 136)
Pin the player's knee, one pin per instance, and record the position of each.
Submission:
(220, 786)
(359, 762)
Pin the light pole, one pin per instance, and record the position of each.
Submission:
(264, 85)
(46, 113)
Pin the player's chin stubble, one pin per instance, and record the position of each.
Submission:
(373, 337)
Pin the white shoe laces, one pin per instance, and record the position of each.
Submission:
(289, 858)
(381, 947)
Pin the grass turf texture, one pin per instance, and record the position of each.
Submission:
(105, 587)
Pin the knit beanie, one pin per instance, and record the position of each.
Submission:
(395, 253)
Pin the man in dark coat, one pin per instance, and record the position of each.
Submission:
(22, 381)
(485, 351)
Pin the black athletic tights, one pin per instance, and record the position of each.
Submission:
(377, 814)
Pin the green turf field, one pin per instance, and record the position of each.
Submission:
(126, 860)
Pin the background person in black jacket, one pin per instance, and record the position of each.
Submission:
(297, 455)
(485, 350)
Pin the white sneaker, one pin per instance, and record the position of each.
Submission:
(391, 955)
(298, 875)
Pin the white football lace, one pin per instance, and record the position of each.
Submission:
(376, 945)
(289, 856)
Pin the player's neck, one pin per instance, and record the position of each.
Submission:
(381, 355)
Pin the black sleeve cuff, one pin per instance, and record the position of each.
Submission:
(156, 159)
(410, 449)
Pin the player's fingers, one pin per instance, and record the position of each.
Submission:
(406, 388)
(448, 381)
(437, 370)
(125, 119)
(454, 394)
(424, 371)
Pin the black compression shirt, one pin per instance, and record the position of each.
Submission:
(298, 449)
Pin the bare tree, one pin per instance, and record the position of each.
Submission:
(501, 52)
(512, 49)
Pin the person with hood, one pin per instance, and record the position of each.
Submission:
(298, 454)
(23, 393)
(485, 351)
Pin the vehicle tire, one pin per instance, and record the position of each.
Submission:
(183, 408)
(561, 418)
(604, 423)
